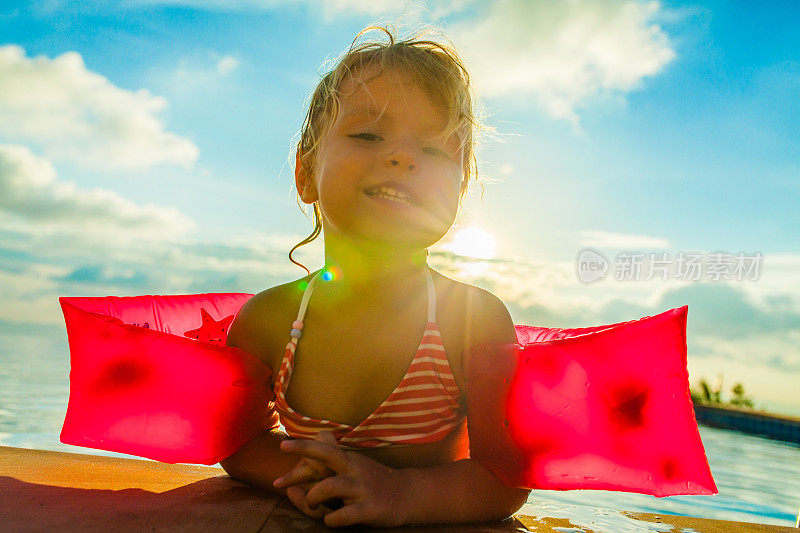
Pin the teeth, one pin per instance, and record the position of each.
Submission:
(391, 194)
(393, 198)
(390, 191)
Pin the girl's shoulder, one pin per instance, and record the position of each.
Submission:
(484, 313)
(470, 316)
(262, 325)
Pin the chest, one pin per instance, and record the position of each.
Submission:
(345, 367)
(343, 371)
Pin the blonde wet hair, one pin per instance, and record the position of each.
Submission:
(434, 67)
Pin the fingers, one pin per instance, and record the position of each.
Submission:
(331, 456)
(305, 470)
(318, 467)
(336, 489)
(301, 473)
(297, 496)
(309, 469)
(332, 487)
(346, 516)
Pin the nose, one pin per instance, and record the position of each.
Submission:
(403, 155)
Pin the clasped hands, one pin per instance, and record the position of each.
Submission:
(371, 493)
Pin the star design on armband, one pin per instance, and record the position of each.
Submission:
(211, 331)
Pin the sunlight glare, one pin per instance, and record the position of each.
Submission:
(473, 241)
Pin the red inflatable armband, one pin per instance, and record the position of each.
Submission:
(151, 376)
(606, 408)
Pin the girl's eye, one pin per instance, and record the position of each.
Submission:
(366, 136)
(436, 152)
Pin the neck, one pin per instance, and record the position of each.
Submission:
(366, 274)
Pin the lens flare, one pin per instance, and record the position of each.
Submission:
(331, 274)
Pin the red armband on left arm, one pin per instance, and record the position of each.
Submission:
(151, 376)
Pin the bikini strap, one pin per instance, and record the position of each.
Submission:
(297, 327)
(431, 296)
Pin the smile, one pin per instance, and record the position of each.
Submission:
(390, 194)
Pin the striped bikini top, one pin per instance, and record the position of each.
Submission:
(423, 408)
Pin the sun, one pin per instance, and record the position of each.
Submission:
(472, 241)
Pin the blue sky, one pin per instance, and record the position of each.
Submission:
(146, 147)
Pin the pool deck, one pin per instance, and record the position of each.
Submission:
(56, 491)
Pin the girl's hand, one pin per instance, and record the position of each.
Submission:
(298, 495)
(372, 494)
(304, 475)
(309, 469)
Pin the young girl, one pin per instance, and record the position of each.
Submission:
(370, 387)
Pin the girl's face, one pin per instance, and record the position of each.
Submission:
(383, 175)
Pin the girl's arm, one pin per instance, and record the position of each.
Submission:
(260, 460)
(464, 491)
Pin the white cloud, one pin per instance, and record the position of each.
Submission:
(507, 169)
(79, 115)
(227, 64)
(561, 53)
(771, 387)
(778, 348)
(621, 241)
(202, 73)
(30, 191)
(45, 266)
